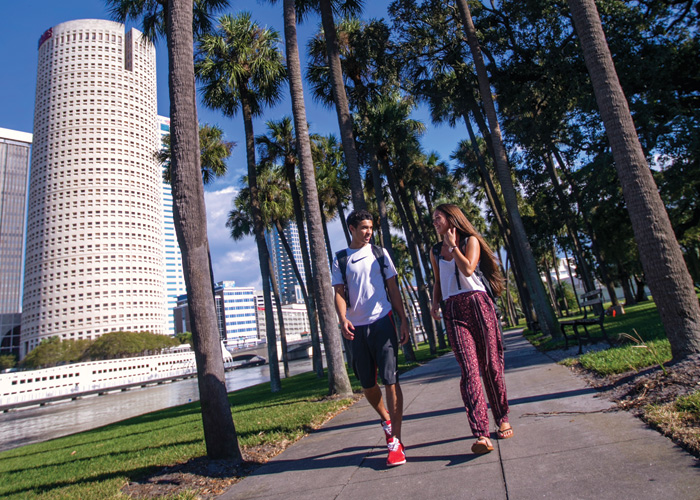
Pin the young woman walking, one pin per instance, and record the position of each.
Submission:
(471, 320)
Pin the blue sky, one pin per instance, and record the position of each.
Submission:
(25, 21)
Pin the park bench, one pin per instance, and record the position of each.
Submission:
(587, 300)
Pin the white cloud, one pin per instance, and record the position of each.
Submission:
(231, 260)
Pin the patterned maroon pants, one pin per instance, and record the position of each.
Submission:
(470, 319)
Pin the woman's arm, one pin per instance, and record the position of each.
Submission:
(467, 258)
(437, 290)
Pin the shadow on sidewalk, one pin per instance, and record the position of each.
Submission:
(375, 422)
(553, 395)
(373, 457)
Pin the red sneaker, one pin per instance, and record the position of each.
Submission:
(386, 425)
(396, 453)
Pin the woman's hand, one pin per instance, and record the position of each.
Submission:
(435, 312)
(450, 237)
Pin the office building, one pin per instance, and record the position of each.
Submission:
(295, 316)
(94, 257)
(172, 258)
(290, 292)
(15, 150)
(235, 314)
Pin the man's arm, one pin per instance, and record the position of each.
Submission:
(341, 308)
(397, 306)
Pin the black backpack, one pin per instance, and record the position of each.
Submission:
(342, 257)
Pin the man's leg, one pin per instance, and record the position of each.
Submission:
(374, 397)
(394, 400)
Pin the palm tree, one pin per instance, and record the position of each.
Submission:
(338, 381)
(545, 314)
(178, 21)
(340, 97)
(276, 208)
(241, 67)
(332, 179)
(664, 267)
(279, 144)
(369, 69)
(214, 151)
(393, 135)
(404, 275)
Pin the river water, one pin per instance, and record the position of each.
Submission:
(41, 423)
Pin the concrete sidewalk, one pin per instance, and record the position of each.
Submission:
(568, 443)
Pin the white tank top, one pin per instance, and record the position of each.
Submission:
(448, 280)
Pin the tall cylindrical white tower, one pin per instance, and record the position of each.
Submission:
(94, 260)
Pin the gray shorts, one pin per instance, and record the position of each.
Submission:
(375, 348)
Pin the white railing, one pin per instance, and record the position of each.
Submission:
(67, 381)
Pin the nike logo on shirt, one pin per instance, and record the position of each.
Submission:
(358, 260)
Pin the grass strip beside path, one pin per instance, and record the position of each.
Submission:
(642, 318)
(96, 464)
(679, 420)
(666, 397)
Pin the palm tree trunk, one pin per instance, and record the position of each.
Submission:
(309, 299)
(381, 202)
(413, 299)
(546, 318)
(342, 106)
(595, 248)
(190, 224)
(666, 272)
(497, 209)
(343, 221)
(423, 297)
(550, 287)
(302, 286)
(559, 283)
(510, 306)
(626, 287)
(641, 295)
(409, 311)
(263, 252)
(570, 223)
(338, 380)
(326, 237)
(280, 321)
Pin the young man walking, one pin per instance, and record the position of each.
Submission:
(365, 295)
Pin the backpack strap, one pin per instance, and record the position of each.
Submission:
(436, 252)
(342, 257)
(378, 253)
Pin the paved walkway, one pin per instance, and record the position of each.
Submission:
(568, 443)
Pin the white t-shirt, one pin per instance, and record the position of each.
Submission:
(448, 280)
(365, 285)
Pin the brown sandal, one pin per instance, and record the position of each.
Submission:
(505, 433)
(482, 445)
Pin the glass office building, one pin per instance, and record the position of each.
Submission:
(174, 277)
(235, 313)
(290, 292)
(15, 148)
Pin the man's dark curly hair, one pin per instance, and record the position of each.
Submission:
(357, 216)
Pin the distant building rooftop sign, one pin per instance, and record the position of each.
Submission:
(47, 34)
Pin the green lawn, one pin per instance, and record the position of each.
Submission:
(97, 464)
(625, 355)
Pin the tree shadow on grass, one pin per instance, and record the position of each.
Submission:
(99, 478)
(96, 433)
(87, 460)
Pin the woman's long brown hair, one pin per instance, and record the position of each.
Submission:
(489, 261)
